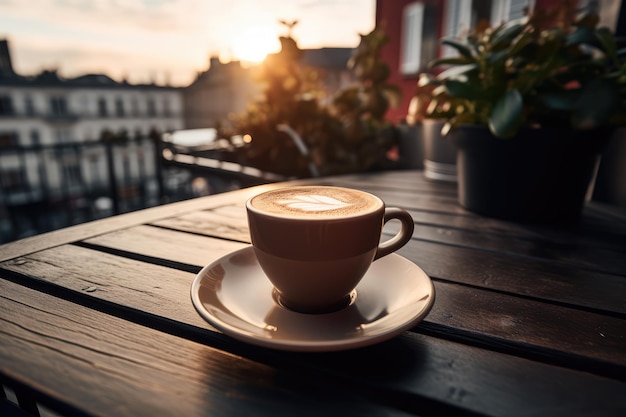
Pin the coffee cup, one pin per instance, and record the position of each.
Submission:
(315, 243)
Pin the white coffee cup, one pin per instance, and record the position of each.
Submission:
(315, 243)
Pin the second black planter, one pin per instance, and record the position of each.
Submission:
(540, 175)
(439, 152)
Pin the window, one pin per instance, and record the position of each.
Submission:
(58, 106)
(412, 19)
(151, 107)
(35, 139)
(166, 108)
(463, 15)
(63, 136)
(29, 106)
(6, 106)
(13, 179)
(119, 107)
(458, 19)
(8, 139)
(134, 106)
(102, 108)
(505, 10)
(419, 42)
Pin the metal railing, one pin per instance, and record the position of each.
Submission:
(47, 187)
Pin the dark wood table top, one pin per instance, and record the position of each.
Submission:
(97, 319)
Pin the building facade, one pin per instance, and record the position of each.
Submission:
(67, 144)
(228, 88)
(222, 89)
(47, 109)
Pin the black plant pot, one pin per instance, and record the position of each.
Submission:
(439, 153)
(610, 186)
(410, 147)
(538, 176)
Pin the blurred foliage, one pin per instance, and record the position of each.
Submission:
(345, 134)
(420, 102)
(547, 69)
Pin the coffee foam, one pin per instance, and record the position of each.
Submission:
(323, 202)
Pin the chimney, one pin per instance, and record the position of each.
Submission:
(6, 68)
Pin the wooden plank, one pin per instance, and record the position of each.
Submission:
(90, 229)
(612, 238)
(485, 316)
(414, 181)
(526, 277)
(573, 253)
(167, 244)
(226, 222)
(396, 180)
(81, 361)
(479, 380)
(430, 209)
(530, 327)
(49, 337)
(148, 288)
(411, 191)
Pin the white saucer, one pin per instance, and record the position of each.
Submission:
(234, 295)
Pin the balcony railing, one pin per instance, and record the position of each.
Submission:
(72, 116)
(43, 188)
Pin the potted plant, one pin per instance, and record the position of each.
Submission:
(530, 104)
(439, 151)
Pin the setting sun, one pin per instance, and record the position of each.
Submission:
(254, 43)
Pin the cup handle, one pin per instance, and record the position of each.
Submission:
(402, 237)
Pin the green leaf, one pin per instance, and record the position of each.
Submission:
(503, 36)
(425, 80)
(464, 90)
(506, 115)
(582, 35)
(497, 57)
(606, 40)
(461, 48)
(439, 90)
(458, 60)
(521, 43)
(460, 70)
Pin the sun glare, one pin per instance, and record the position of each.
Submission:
(254, 44)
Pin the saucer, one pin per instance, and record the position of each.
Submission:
(234, 295)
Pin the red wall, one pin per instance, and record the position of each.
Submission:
(389, 17)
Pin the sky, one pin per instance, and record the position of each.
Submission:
(168, 41)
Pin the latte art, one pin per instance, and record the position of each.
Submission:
(313, 203)
(316, 201)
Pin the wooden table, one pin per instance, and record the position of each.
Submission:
(97, 319)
